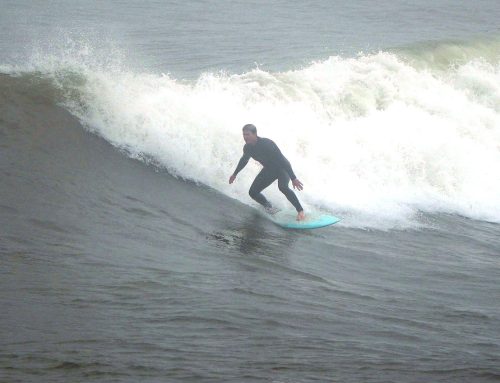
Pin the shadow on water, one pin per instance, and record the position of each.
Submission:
(254, 236)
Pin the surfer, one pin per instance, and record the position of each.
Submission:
(275, 167)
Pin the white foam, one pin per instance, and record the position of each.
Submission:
(372, 137)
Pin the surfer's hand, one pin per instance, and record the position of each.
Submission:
(232, 178)
(297, 184)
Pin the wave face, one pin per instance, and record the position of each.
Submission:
(377, 138)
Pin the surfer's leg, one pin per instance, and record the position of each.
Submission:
(283, 181)
(262, 181)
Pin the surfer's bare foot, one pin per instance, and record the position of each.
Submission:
(301, 216)
(271, 210)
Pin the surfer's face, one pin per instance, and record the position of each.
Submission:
(249, 137)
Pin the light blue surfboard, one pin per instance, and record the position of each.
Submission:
(288, 220)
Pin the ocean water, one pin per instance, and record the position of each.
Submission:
(126, 256)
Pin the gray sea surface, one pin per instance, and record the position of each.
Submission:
(114, 270)
(187, 38)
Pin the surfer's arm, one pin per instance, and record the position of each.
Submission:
(241, 164)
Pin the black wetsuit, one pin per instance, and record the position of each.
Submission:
(276, 167)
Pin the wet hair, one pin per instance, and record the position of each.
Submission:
(250, 128)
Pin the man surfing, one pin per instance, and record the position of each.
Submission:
(275, 167)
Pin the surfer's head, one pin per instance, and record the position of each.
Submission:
(250, 134)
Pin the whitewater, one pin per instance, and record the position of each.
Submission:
(377, 138)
